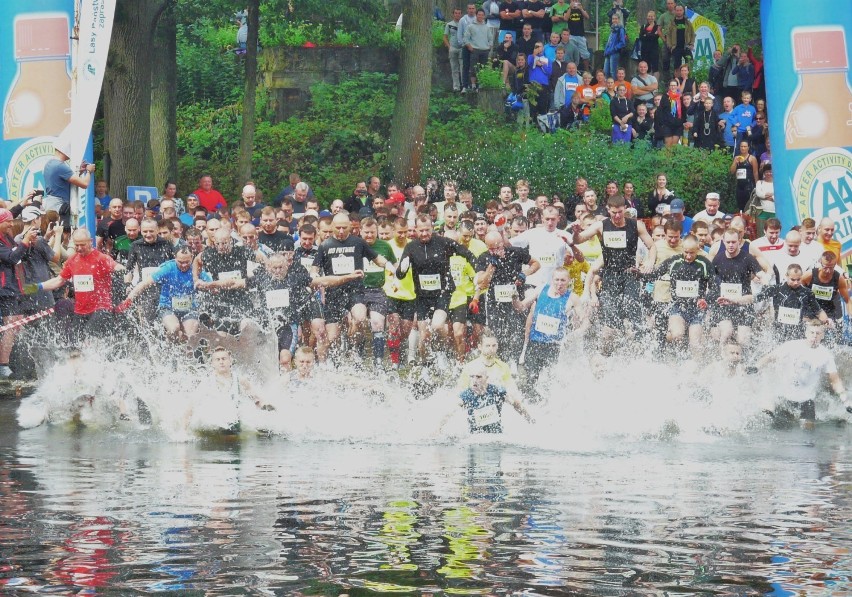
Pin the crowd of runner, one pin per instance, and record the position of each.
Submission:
(421, 279)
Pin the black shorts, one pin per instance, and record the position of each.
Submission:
(376, 300)
(10, 305)
(311, 310)
(619, 300)
(737, 314)
(459, 314)
(405, 309)
(287, 337)
(338, 304)
(426, 307)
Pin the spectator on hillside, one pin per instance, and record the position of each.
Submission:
(507, 55)
(466, 20)
(668, 121)
(649, 38)
(540, 75)
(577, 16)
(744, 70)
(526, 42)
(551, 46)
(705, 132)
(477, 40)
(679, 36)
(574, 114)
(616, 42)
(557, 68)
(358, 199)
(621, 112)
(210, 198)
(644, 85)
(102, 194)
(566, 85)
(618, 9)
(290, 190)
(572, 54)
(454, 47)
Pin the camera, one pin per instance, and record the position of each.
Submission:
(38, 192)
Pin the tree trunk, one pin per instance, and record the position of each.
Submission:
(127, 93)
(408, 125)
(642, 8)
(163, 98)
(249, 97)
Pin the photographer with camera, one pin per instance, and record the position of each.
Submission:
(59, 177)
(727, 82)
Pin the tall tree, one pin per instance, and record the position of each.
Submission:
(247, 134)
(164, 97)
(408, 125)
(127, 93)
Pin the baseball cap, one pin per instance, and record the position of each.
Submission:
(30, 213)
(395, 198)
(677, 206)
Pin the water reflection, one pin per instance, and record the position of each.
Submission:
(750, 515)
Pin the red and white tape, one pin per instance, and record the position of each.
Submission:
(25, 320)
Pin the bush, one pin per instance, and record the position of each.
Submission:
(342, 139)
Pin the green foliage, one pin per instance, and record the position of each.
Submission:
(206, 74)
(600, 120)
(489, 77)
(437, 34)
(342, 139)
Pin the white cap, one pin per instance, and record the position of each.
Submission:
(30, 213)
(712, 196)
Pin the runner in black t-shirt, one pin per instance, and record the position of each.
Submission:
(341, 255)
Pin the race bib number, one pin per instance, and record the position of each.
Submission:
(503, 293)
(823, 293)
(731, 291)
(741, 174)
(181, 303)
(84, 283)
(147, 271)
(306, 262)
(487, 415)
(430, 281)
(342, 265)
(235, 275)
(456, 273)
(684, 289)
(547, 325)
(789, 316)
(547, 260)
(278, 299)
(372, 268)
(615, 239)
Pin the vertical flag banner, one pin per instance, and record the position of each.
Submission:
(35, 84)
(806, 60)
(709, 37)
(94, 21)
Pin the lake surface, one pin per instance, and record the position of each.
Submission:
(760, 512)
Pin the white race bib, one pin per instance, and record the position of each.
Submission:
(615, 239)
(278, 299)
(731, 291)
(486, 415)
(235, 275)
(547, 325)
(741, 174)
(342, 265)
(181, 303)
(503, 293)
(789, 316)
(430, 281)
(84, 283)
(685, 289)
(372, 268)
(147, 271)
(823, 293)
(547, 260)
(456, 272)
(306, 262)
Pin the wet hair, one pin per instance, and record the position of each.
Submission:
(794, 267)
(773, 223)
(829, 256)
(308, 229)
(616, 201)
(673, 226)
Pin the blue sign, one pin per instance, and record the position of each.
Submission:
(143, 194)
(806, 59)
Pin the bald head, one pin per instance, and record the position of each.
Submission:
(493, 239)
(81, 234)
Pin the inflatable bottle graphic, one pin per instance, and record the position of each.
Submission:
(39, 99)
(820, 113)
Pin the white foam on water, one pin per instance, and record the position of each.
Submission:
(587, 400)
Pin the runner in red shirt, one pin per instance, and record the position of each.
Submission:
(210, 198)
(90, 272)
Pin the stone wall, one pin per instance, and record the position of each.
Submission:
(289, 73)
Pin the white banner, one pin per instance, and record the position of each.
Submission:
(94, 22)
